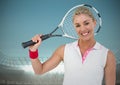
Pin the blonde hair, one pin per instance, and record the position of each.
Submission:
(83, 10)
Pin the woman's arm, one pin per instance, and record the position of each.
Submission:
(110, 69)
(51, 63)
(55, 59)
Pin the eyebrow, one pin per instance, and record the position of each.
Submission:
(83, 22)
(87, 20)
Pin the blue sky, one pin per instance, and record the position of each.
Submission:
(22, 19)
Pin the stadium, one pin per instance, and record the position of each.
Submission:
(18, 71)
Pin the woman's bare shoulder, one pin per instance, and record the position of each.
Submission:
(111, 55)
(60, 51)
(111, 58)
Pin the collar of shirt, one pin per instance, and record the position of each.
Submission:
(97, 45)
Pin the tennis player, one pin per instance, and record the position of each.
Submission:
(86, 61)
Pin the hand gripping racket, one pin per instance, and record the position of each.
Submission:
(66, 26)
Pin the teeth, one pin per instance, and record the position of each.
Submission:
(84, 34)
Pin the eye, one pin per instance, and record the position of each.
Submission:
(86, 23)
(77, 25)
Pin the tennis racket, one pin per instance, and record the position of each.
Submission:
(66, 26)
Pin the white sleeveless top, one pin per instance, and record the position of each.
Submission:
(89, 72)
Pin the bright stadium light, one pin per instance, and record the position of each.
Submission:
(27, 68)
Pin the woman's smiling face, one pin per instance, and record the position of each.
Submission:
(84, 26)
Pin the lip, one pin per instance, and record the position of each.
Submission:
(85, 33)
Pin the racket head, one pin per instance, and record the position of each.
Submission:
(67, 21)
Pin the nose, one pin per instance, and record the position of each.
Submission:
(82, 28)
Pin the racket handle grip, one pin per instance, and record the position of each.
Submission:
(30, 42)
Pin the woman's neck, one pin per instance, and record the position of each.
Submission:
(85, 45)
